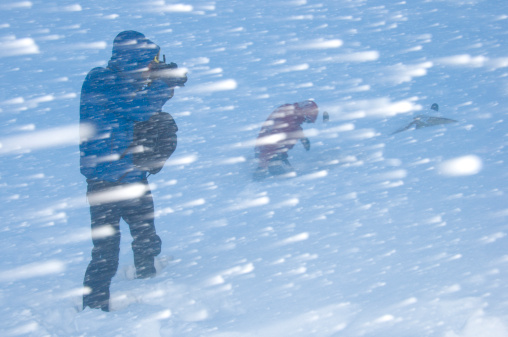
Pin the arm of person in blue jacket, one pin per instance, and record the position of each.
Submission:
(142, 104)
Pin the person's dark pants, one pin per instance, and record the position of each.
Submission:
(109, 203)
(277, 165)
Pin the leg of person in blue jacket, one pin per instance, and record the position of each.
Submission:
(138, 213)
(146, 244)
(105, 252)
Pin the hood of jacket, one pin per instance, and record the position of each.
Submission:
(132, 52)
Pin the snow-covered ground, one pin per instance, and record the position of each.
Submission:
(376, 235)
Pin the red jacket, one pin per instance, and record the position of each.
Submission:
(279, 133)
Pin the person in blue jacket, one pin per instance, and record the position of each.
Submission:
(113, 99)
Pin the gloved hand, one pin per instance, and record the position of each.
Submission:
(169, 73)
(306, 143)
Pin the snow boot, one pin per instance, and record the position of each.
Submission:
(145, 267)
(97, 299)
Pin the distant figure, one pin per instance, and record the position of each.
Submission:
(279, 133)
(326, 117)
(422, 121)
(114, 102)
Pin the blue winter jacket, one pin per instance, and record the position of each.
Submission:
(112, 100)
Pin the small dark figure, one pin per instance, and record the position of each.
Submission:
(326, 117)
(279, 134)
(113, 100)
(422, 121)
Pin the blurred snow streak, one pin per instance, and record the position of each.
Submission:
(162, 7)
(60, 136)
(467, 60)
(215, 86)
(16, 5)
(461, 166)
(32, 270)
(11, 46)
(130, 191)
(318, 44)
(377, 107)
